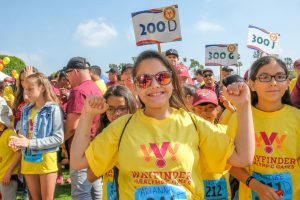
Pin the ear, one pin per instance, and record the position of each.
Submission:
(43, 88)
(188, 97)
(252, 85)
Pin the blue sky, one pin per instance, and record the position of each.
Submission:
(47, 34)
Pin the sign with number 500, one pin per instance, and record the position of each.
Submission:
(262, 40)
(156, 25)
(221, 54)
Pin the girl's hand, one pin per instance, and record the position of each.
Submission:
(238, 94)
(226, 103)
(18, 142)
(6, 178)
(94, 105)
(28, 71)
(265, 192)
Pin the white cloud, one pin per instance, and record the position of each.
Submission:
(33, 59)
(208, 26)
(95, 33)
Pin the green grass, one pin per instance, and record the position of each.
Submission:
(63, 192)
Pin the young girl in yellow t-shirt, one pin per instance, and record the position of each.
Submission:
(160, 150)
(275, 171)
(120, 102)
(40, 136)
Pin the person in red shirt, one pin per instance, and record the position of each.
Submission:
(82, 86)
(210, 82)
(113, 77)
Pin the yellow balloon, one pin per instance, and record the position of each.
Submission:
(16, 76)
(6, 60)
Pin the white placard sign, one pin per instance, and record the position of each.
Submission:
(262, 40)
(221, 54)
(156, 25)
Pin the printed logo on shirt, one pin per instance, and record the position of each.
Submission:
(160, 152)
(268, 141)
(30, 125)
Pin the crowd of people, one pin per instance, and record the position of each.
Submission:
(152, 131)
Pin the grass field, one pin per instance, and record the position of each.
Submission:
(62, 192)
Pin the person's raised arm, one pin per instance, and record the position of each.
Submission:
(239, 95)
(93, 106)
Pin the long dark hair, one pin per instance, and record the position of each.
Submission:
(259, 63)
(118, 91)
(177, 97)
(232, 79)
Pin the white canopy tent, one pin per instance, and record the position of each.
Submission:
(3, 76)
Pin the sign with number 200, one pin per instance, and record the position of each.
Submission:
(156, 25)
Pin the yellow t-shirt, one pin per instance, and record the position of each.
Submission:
(277, 153)
(101, 85)
(8, 94)
(225, 117)
(40, 163)
(216, 185)
(293, 84)
(160, 158)
(7, 154)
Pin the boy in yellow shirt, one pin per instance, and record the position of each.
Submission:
(216, 186)
(9, 158)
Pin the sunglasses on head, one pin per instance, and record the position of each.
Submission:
(145, 80)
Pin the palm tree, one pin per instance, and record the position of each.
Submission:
(288, 61)
(257, 54)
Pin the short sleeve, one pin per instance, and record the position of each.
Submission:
(225, 117)
(75, 102)
(102, 153)
(215, 146)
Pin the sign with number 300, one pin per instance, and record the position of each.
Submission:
(221, 54)
(263, 41)
(156, 25)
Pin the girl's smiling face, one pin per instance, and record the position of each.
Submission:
(156, 95)
(270, 91)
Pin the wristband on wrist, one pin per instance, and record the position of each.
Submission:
(249, 180)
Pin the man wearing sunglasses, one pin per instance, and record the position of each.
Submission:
(210, 82)
(82, 86)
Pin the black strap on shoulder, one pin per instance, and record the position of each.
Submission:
(115, 169)
(193, 121)
(123, 132)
